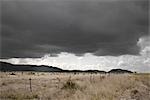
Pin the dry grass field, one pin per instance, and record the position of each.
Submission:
(70, 86)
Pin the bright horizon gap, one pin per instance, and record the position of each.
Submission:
(86, 62)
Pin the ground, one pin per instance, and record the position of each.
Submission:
(73, 86)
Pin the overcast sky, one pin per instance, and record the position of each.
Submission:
(79, 33)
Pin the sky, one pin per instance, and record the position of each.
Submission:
(76, 34)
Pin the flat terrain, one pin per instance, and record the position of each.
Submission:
(73, 86)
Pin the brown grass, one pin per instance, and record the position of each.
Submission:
(69, 86)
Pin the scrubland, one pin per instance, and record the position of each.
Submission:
(73, 86)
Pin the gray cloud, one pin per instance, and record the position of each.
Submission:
(32, 28)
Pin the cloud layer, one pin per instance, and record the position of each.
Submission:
(139, 63)
(34, 28)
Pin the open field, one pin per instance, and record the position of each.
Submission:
(71, 86)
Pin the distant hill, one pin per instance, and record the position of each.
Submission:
(4, 66)
(86, 71)
(119, 71)
(11, 67)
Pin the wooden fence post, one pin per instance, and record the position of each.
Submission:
(30, 85)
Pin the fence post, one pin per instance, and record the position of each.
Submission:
(30, 85)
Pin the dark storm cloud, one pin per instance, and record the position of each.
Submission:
(34, 28)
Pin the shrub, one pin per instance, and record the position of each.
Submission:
(12, 74)
(4, 84)
(69, 84)
(31, 73)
